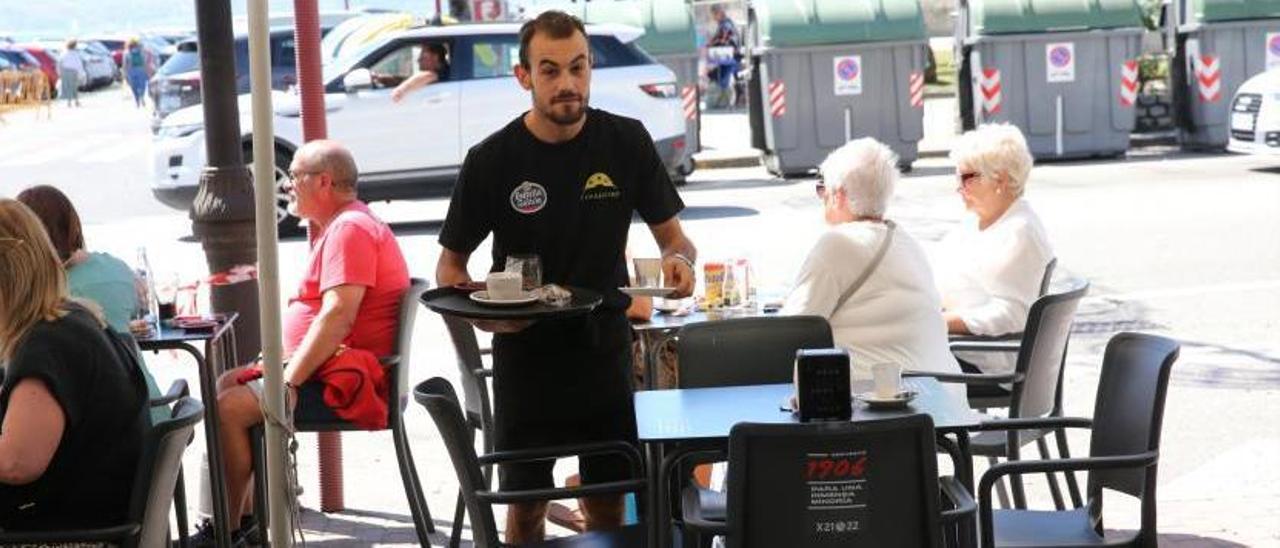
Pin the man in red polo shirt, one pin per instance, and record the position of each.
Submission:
(349, 299)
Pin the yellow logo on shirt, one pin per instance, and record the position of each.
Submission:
(600, 187)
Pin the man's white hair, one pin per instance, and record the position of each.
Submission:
(995, 150)
(867, 170)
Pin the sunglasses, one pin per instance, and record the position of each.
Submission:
(967, 179)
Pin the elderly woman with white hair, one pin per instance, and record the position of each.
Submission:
(990, 267)
(869, 278)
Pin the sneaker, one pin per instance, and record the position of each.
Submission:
(204, 537)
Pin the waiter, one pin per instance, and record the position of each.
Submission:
(563, 181)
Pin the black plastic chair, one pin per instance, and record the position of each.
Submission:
(1123, 453)
(745, 351)
(438, 396)
(872, 483)
(147, 522)
(475, 396)
(397, 398)
(1035, 388)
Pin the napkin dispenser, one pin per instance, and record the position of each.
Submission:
(822, 384)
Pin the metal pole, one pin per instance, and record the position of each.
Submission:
(222, 211)
(306, 33)
(278, 489)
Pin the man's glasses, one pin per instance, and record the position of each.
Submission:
(820, 187)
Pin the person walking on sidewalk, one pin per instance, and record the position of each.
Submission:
(139, 65)
(563, 181)
(70, 72)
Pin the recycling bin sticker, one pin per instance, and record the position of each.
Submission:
(1060, 62)
(848, 75)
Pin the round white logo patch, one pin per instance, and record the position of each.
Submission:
(528, 198)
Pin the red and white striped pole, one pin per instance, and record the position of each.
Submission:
(306, 20)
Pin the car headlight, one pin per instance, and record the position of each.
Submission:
(181, 130)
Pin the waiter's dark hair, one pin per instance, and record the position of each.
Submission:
(554, 23)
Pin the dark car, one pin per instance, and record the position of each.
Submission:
(177, 83)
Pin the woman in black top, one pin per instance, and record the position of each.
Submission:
(71, 406)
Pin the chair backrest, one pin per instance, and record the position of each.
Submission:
(475, 391)
(409, 304)
(1044, 345)
(1048, 276)
(438, 396)
(743, 351)
(868, 483)
(1129, 410)
(157, 471)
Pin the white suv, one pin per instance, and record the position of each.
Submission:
(415, 148)
(1255, 115)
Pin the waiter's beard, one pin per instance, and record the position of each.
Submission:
(566, 110)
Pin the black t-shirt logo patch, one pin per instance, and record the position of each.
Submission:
(600, 187)
(529, 198)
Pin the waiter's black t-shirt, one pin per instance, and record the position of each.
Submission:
(103, 398)
(571, 203)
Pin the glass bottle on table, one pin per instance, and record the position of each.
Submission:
(148, 304)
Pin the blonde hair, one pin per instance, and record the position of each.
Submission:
(867, 170)
(994, 150)
(33, 286)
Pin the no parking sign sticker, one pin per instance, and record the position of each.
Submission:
(848, 75)
(1060, 62)
(1273, 50)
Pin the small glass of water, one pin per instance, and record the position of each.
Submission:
(529, 266)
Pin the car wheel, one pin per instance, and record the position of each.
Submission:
(286, 225)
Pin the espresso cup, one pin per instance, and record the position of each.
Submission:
(887, 378)
(503, 286)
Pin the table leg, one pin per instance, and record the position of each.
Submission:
(213, 446)
(656, 516)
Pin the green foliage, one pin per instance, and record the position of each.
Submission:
(1150, 13)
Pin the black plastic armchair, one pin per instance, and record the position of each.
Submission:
(1123, 453)
(476, 403)
(147, 519)
(440, 400)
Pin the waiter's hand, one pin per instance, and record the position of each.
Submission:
(679, 275)
(501, 326)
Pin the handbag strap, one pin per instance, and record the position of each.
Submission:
(871, 267)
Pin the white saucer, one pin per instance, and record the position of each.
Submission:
(647, 291)
(901, 399)
(482, 297)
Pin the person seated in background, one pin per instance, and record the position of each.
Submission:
(343, 317)
(73, 403)
(990, 267)
(433, 66)
(98, 277)
(867, 277)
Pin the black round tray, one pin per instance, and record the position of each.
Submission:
(457, 302)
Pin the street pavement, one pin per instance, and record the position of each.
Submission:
(1178, 244)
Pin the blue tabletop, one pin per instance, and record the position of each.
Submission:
(709, 413)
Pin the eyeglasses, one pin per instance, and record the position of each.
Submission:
(820, 187)
(967, 179)
(295, 175)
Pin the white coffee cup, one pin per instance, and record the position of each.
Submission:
(887, 378)
(503, 286)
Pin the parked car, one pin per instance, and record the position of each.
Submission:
(415, 148)
(114, 45)
(176, 84)
(98, 64)
(48, 63)
(19, 58)
(1255, 115)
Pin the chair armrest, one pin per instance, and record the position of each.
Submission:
(178, 390)
(557, 493)
(107, 534)
(1007, 337)
(388, 361)
(486, 351)
(1034, 423)
(693, 516)
(961, 501)
(482, 372)
(968, 378)
(985, 346)
(1021, 467)
(576, 450)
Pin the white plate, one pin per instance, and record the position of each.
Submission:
(482, 297)
(901, 399)
(647, 291)
(1243, 121)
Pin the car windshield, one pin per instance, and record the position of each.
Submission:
(349, 58)
(186, 59)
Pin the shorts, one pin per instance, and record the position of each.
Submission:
(560, 395)
(311, 407)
